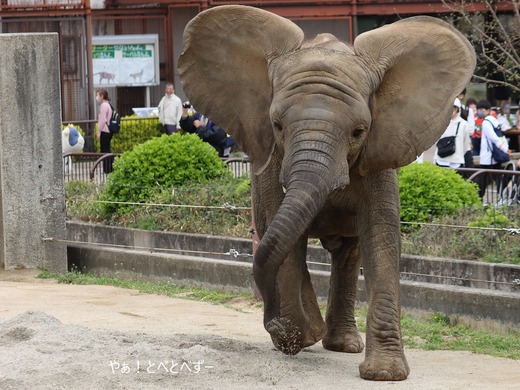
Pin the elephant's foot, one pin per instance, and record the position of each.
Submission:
(349, 341)
(384, 367)
(290, 338)
(317, 331)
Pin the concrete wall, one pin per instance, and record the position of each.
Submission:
(452, 272)
(486, 306)
(32, 198)
(473, 305)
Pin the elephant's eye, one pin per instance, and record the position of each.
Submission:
(277, 125)
(357, 132)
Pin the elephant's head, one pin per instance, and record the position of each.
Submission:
(331, 110)
(390, 94)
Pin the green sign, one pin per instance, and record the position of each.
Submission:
(124, 64)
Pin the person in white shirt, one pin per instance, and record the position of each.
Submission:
(170, 110)
(457, 127)
(489, 137)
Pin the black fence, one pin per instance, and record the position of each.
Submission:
(85, 166)
(502, 186)
(89, 166)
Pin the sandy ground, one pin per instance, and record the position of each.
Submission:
(93, 337)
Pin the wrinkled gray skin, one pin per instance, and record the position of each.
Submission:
(325, 126)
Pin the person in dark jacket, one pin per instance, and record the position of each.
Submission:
(195, 122)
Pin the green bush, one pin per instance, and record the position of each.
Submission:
(449, 237)
(428, 191)
(134, 131)
(219, 206)
(493, 218)
(163, 162)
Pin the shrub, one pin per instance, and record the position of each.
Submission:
(132, 133)
(80, 205)
(493, 218)
(427, 191)
(219, 206)
(449, 237)
(163, 162)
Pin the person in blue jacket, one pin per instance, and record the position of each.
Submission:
(194, 122)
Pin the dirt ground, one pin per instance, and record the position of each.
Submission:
(56, 336)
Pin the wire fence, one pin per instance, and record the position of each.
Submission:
(208, 209)
(457, 276)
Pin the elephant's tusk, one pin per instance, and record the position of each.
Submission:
(284, 189)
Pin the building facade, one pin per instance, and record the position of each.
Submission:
(77, 22)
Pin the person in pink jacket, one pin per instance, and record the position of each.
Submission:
(103, 134)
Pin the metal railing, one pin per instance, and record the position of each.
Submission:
(500, 186)
(240, 166)
(89, 166)
(85, 166)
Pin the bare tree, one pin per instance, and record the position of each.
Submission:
(493, 27)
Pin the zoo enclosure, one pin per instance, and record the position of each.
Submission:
(503, 185)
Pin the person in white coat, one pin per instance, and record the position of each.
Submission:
(170, 110)
(457, 127)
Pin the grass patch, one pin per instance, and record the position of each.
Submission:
(221, 207)
(441, 332)
(486, 234)
(438, 332)
(159, 288)
(185, 209)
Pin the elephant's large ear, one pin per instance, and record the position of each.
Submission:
(224, 71)
(420, 65)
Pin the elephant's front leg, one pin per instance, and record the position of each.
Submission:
(380, 245)
(342, 333)
(299, 323)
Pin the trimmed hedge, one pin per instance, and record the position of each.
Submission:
(162, 162)
(428, 190)
(132, 133)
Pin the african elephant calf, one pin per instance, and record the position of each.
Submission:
(326, 125)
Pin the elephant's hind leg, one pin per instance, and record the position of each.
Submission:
(342, 333)
(299, 323)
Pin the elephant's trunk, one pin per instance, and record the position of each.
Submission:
(310, 179)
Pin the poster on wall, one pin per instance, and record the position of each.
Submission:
(125, 60)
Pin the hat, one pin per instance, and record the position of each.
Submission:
(485, 104)
(457, 103)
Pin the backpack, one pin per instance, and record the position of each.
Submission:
(498, 154)
(115, 121)
(498, 129)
